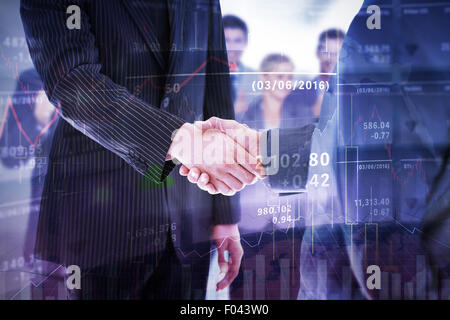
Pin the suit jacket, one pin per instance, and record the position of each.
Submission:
(109, 195)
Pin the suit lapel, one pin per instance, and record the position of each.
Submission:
(144, 24)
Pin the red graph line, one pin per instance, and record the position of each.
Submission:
(149, 79)
(9, 105)
(231, 66)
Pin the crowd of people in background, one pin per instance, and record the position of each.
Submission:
(269, 109)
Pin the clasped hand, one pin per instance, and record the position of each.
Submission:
(220, 156)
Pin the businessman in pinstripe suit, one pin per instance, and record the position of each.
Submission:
(124, 83)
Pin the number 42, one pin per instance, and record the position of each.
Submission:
(325, 177)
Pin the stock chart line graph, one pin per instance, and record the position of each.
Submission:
(31, 283)
(149, 79)
(10, 106)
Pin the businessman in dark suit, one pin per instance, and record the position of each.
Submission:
(125, 82)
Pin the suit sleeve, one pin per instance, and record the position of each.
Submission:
(68, 63)
(293, 144)
(218, 103)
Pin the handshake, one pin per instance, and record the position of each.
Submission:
(220, 156)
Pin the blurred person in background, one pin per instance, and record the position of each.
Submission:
(236, 37)
(268, 219)
(266, 111)
(305, 105)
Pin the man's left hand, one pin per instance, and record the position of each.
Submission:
(227, 238)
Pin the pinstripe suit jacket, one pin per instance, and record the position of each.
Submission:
(110, 195)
